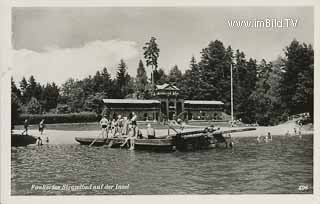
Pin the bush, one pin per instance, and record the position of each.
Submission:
(62, 108)
(83, 117)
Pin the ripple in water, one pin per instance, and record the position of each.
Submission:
(280, 166)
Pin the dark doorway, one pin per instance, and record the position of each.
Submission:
(171, 115)
(179, 108)
(164, 108)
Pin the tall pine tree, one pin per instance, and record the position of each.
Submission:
(141, 80)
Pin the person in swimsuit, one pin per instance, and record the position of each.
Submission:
(134, 122)
(104, 126)
(41, 126)
(25, 125)
(125, 128)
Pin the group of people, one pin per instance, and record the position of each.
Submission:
(26, 127)
(124, 126)
(41, 127)
(265, 138)
(118, 127)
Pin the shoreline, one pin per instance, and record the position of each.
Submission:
(67, 136)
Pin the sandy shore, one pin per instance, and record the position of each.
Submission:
(67, 137)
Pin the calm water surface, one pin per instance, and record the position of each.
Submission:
(280, 166)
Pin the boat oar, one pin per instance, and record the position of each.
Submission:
(172, 128)
(110, 143)
(94, 140)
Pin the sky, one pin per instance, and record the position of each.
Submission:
(54, 44)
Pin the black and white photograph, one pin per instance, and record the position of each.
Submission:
(197, 100)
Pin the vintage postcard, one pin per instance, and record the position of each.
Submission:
(161, 100)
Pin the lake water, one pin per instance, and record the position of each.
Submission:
(284, 165)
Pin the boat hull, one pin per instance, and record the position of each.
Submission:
(91, 141)
(22, 140)
(165, 145)
(144, 144)
(189, 141)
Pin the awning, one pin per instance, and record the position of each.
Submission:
(198, 102)
(129, 101)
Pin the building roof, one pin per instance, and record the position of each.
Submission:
(130, 101)
(196, 102)
(167, 87)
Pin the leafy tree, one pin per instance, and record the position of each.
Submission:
(175, 75)
(213, 72)
(15, 89)
(160, 76)
(50, 96)
(33, 89)
(190, 83)
(247, 75)
(73, 95)
(90, 84)
(297, 78)
(94, 103)
(33, 107)
(15, 104)
(264, 101)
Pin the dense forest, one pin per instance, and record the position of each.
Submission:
(264, 92)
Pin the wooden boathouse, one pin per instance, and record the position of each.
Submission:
(166, 104)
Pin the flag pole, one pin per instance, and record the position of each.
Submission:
(231, 79)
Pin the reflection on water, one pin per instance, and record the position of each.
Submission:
(279, 166)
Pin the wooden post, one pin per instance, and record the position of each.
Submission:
(231, 95)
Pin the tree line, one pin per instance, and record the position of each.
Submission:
(263, 92)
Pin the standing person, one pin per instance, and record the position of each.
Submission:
(113, 126)
(134, 123)
(118, 124)
(25, 125)
(41, 126)
(269, 136)
(259, 138)
(125, 125)
(300, 133)
(109, 128)
(39, 141)
(133, 137)
(104, 126)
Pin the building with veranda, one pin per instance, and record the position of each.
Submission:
(166, 104)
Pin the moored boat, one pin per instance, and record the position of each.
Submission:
(22, 140)
(207, 138)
